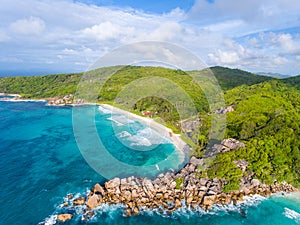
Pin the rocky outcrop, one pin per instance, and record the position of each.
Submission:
(64, 217)
(164, 192)
(241, 164)
(66, 100)
(225, 110)
(79, 201)
(228, 145)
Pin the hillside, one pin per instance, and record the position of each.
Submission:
(52, 86)
(40, 86)
(266, 114)
(230, 78)
(62, 84)
(294, 81)
(266, 118)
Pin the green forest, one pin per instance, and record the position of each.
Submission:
(266, 115)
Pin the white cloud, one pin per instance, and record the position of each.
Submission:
(106, 31)
(288, 45)
(28, 26)
(78, 34)
(267, 13)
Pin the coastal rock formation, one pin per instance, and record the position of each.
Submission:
(64, 217)
(66, 100)
(226, 145)
(79, 201)
(172, 190)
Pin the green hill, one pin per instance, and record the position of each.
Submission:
(230, 78)
(62, 84)
(294, 81)
(267, 119)
(266, 114)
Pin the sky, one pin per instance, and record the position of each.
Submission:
(60, 36)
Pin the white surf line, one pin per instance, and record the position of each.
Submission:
(175, 138)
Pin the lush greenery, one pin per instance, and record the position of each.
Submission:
(266, 114)
(267, 120)
(40, 86)
(179, 182)
(294, 81)
(230, 78)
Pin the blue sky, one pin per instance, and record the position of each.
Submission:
(163, 6)
(56, 36)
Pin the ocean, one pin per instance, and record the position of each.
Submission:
(42, 160)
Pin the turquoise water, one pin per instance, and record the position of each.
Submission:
(41, 163)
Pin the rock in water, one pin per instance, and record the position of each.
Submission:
(98, 189)
(64, 217)
(208, 201)
(93, 201)
(79, 201)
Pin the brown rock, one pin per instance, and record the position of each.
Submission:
(196, 161)
(93, 201)
(64, 217)
(208, 201)
(112, 184)
(189, 200)
(134, 194)
(135, 211)
(98, 189)
(128, 212)
(127, 195)
(79, 201)
(177, 203)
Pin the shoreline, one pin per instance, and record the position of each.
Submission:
(14, 95)
(167, 132)
(140, 194)
(175, 138)
(136, 195)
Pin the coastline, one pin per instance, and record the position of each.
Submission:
(192, 193)
(167, 132)
(175, 138)
(135, 195)
(12, 95)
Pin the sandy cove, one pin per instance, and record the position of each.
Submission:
(175, 138)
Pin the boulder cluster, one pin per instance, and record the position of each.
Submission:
(170, 191)
(66, 100)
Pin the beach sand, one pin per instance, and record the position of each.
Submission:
(175, 138)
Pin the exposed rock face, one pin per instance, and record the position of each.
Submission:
(241, 164)
(231, 144)
(226, 146)
(194, 161)
(79, 201)
(66, 100)
(138, 194)
(93, 201)
(225, 110)
(64, 217)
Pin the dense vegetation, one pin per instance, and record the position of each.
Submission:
(267, 119)
(230, 78)
(40, 86)
(294, 81)
(266, 114)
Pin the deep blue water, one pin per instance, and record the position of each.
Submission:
(41, 162)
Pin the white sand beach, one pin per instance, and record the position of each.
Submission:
(175, 138)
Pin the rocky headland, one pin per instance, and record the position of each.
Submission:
(171, 191)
